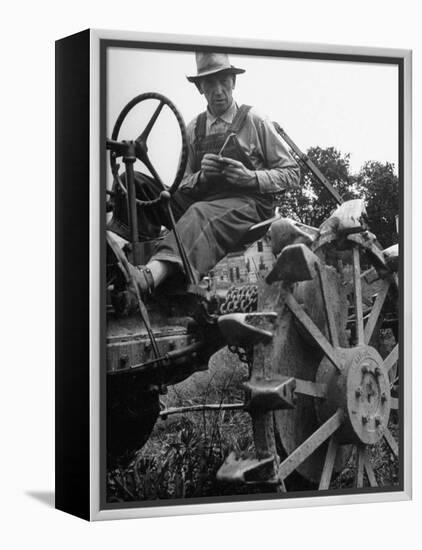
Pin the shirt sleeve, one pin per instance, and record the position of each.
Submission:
(280, 171)
(190, 179)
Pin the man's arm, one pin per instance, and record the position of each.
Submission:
(276, 168)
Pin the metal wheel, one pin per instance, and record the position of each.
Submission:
(343, 389)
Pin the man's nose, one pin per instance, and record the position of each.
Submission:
(218, 88)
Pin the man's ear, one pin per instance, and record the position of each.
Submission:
(234, 81)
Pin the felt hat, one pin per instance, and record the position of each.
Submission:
(212, 63)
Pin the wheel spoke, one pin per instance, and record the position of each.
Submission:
(376, 310)
(392, 358)
(369, 471)
(314, 389)
(360, 463)
(329, 314)
(327, 471)
(144, 136)
(304, 450)
(151, 168)
(313, 331)
(389, 438)
(358, 297)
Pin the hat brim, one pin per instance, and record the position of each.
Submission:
(231, 70)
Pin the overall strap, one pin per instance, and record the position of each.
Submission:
(201, 126)
(239, 119)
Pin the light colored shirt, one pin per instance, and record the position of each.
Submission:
(275, 167)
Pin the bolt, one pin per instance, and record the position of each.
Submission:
(358, 391)
(377, 420)
(365, 419)
(383, 397)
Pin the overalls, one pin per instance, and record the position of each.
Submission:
(213, 219)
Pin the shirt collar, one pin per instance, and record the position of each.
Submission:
(227, 116)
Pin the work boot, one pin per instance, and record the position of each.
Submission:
(130, 282)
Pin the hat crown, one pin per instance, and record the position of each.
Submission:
(211, 63)
(206, 62)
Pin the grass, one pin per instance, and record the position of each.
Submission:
(184, 452)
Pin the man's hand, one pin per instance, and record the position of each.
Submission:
(210, 167)
(237, 174)
(233, 171)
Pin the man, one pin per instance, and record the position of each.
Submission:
(236, 164)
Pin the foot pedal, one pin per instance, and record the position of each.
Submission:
(295, 263)
(250, 470)
(270, 394)
(247, 329)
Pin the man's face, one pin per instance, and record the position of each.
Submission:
(218, 90)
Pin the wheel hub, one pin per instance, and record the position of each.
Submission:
(361, 390)
(368, 390)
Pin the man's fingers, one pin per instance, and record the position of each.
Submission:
(234, 172)
(230, 162)
(210, 164)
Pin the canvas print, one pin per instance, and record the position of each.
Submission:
(251, 266)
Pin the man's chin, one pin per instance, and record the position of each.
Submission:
(219, 108)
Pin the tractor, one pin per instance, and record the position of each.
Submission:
(322, 380)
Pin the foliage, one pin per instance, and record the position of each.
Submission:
(376, 182)
(310, 203)
(381, 189)
(184, 453)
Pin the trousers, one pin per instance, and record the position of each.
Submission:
(210, 224)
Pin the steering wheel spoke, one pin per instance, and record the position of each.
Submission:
(142, 138)
(154, 173)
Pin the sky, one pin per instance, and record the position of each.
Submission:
(350, 106)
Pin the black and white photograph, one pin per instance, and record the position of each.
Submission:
(210, 275)
(253, 206)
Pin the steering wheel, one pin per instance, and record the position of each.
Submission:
(141, 147)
